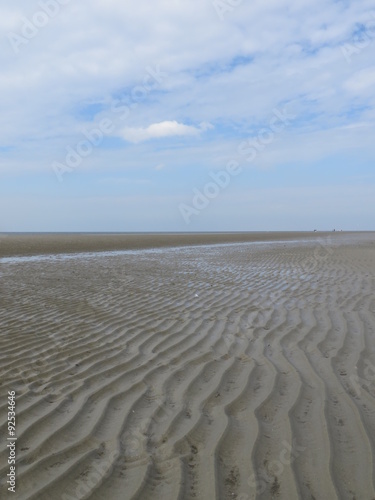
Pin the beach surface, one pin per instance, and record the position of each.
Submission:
(56, 243)
(219, 366)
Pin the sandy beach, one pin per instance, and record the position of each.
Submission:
(12, 244)
(219, 366)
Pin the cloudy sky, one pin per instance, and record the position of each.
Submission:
(185, 115)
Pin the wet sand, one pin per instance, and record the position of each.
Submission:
(226, 371)
(12, 244)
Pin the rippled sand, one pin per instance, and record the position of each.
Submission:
(235, 371)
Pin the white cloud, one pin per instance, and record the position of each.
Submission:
(159, 130)
(291, 44)
(361, 81)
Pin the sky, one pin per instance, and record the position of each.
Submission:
(176, 115)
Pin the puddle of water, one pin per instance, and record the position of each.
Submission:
(145, 251)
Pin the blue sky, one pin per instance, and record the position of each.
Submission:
(114, 115)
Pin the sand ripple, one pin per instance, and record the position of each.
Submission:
(231, 372)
